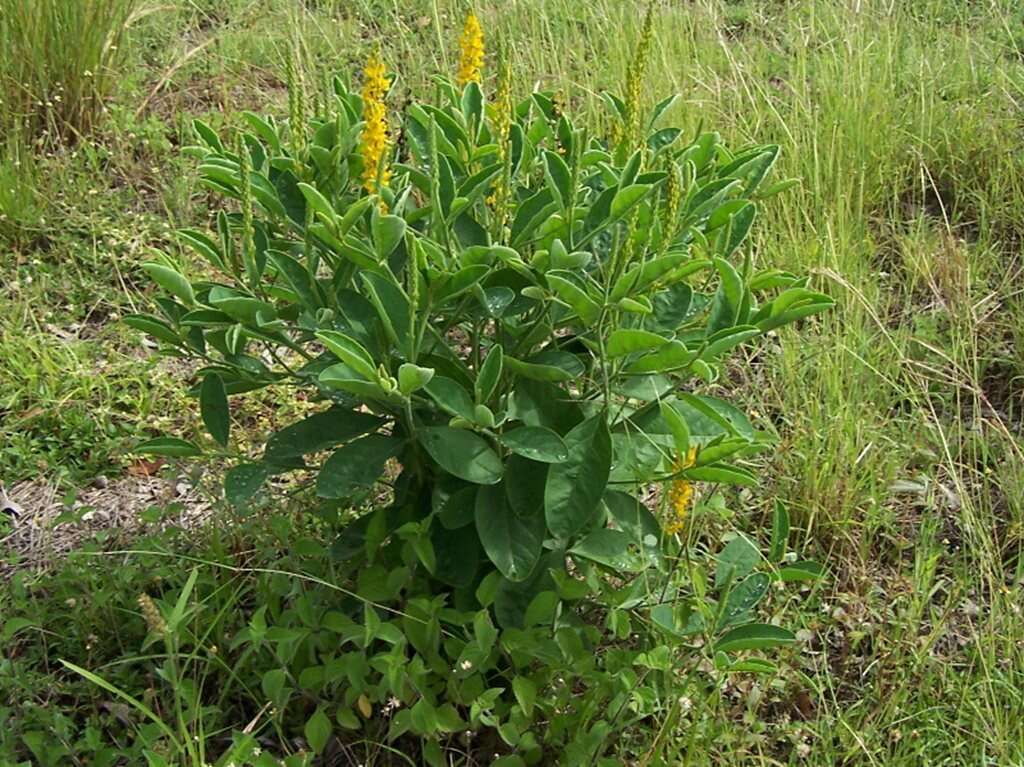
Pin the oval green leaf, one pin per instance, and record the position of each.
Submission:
(755, 636)
(463, 454)
(536, 443)
(513, 542)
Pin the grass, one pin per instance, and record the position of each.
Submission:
(899, 417)
(60, 61)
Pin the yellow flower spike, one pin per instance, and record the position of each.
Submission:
(375, 138)
(471, 62)
(680, 495)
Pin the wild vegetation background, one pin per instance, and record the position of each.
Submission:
(899, 412)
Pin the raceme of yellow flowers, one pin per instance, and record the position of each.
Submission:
(471, 43)
(375, 138)
(680, 495)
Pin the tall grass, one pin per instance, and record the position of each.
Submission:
(20, 208)
(60, 62)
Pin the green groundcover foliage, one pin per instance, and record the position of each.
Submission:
(502, 330)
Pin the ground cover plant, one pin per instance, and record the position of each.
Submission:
(894, 417)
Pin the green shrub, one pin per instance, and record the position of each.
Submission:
(513, 314)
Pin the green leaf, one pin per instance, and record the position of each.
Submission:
(392, 306)
(494, 300)
(388, 231)
(463, 454)
(273, 684)
(634, 518)
(600, 209)
(445, 186)
(677, 424)
(524, 485)
(726, 306)
(351, 352)
(169, 446)
(341, 376)
(752, 666)
(490, 375)
(460, 282)
(737, 559)
(318, 731)
(509, 760)
(356, 466)
(780, 532)
(298, 278)
(567, 286)
(208, 135)
(722, 448)
(551, 366)
(754, 636)
(530, 213)
(472, 103)
(721, 472)
(483, 416)
(471, 188)
(536, 443)
(241, 308)
(626, 198)
(709, 416)
(575, 486)
(352, 248)
(488, 588)
(413, 377)
(744, 598)
(345, 718)
(13, 625)
(455, 509)
(171, 281)
(424, 718)
(513, 542)
(559, 178)
(512, 599)
(802, 571)
(728, 339)
(153, 326)
(319, 432)
(202, 245)
(526, 694)
(623, 342)
(671, 356)
(457, 551)
(739, 226)
(614, 549)
(544, 404)
(319, 204)
(243, 482)
(213, 405)
(792, 304)
(451, 397)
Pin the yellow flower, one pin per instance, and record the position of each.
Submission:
(680, 495)
(472, 45)
(375, 138)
